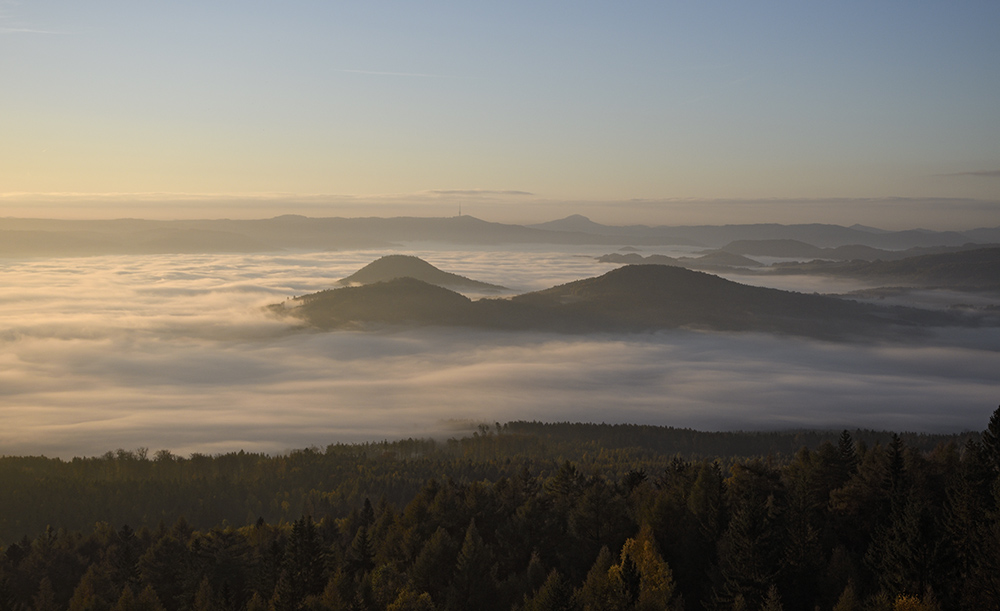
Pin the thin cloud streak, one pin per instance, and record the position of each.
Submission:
(27, 31)
(474, 192)
(380, 73)
(987, 173)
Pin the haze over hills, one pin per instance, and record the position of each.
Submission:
(795, 249)
(405, 266)
(631, 299)
(800, 250)
(977, 269)
(823, 235)
(43, 237)
(713, 260)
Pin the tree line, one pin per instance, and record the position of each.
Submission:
(518, 516)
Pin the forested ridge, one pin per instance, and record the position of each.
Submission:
(522, 515)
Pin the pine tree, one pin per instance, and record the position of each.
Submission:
(640, 580)
(145, 601)
(431, 571)
(598, 591)
(361, 554)
(45, 599)
(904, 552)
(474, 586)
(991, 442)
(848, 600)
(204, 598)
(751, 550)
(257, 603)
(302, 569)
(408, 600)
(164, 566)
(95, 591)
(554, 595)
(367, 513)
(848, 454)
(773, 600)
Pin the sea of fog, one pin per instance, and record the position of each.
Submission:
(178, 352)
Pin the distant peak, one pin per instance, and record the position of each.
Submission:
(867, 229)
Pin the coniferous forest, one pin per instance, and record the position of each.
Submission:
(523, 516)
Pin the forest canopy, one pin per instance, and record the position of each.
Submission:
(522, 515)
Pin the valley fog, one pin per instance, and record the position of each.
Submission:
(177, 352)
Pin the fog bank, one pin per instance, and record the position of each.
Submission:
(177, 352)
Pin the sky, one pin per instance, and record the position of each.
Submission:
(659, 112)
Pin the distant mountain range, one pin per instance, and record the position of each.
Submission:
(629, 299)
(822, 235)
(714, 260)
(963, 268)
(977, 269)
(46, 237)
(391, 267)
(795, 249)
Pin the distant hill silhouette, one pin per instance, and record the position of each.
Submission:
(124, 236)
(633, 298)
(714, 260)
(795, 249)
(801, 250)
(820, 234)
(407, 266)
(977, 269)
(397, 301)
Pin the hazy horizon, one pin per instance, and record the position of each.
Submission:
(891, 214)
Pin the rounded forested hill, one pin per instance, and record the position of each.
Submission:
(391, 267)
(976, 269)
(646, 297)
(634, 298)
(396, 301)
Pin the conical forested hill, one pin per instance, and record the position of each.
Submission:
(390, 267)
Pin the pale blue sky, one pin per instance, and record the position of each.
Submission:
(569, 101)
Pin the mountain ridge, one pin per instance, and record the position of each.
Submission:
(138, 236)
(633, 298)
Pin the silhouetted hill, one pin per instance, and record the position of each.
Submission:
(714, 260)
(629, 299)
(406, 266)
(640, 234)
(719, 258)
(795, 249)
(800, 250)
(977, 269)
(397, 301)
(819, 234)
(645, 297)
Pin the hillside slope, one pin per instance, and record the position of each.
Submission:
(633, 298)
(390, 267)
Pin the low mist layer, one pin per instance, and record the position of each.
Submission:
(178, 352)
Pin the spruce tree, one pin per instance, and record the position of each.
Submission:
(991, 442)
(554, 595)
(474, 586)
